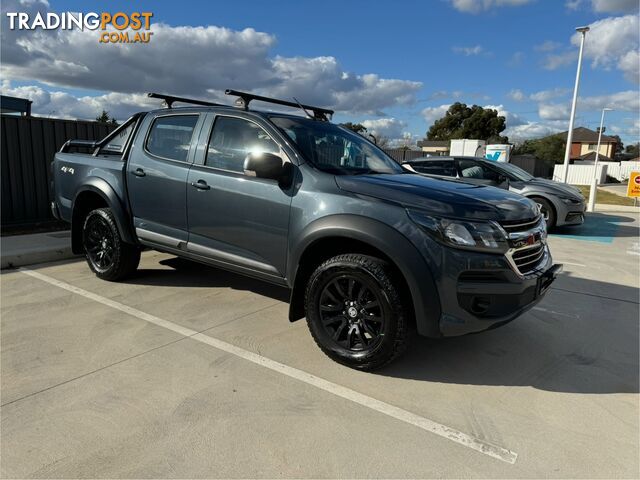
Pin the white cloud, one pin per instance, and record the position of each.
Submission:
(517, 95)
(555, 111)
(613, 6)
(629, 63)
(469, 51)
(546, 95)
(431, 114)
(611, 42)
(511, 119)
(622, 101)
(530, 130)
(63, 105)
(573, 4)
(387, 127)
(190, 61)
(540, 96)
(628, 100)
(557, 60)
(477, 6)
(547, 46)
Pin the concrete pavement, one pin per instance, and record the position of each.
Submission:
(89, 390)
(21, 250)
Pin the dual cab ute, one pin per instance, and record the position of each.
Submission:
(369, 251)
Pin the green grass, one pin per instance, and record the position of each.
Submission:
(605, 197)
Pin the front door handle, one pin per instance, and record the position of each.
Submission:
(200, 185)
(138, 172)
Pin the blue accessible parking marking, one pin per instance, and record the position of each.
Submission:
(596, 228)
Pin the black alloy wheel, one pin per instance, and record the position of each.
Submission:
(108, 256)
(351, 312)
(355, 312)
(99, 243)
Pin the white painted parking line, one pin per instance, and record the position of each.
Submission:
(424, 423)
(571, 263)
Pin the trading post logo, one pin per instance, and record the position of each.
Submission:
(116, 27)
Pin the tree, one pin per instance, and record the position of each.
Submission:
(619, 145)
(475, 122)
(550, 149)
(105, 118)
(356, 127)
(633, 149)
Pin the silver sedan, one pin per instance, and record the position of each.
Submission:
(560, 204)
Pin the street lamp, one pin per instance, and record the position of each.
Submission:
(594, 180)
(567, 152)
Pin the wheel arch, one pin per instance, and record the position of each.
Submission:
(97, 193)
(340, 234)
(548, 198)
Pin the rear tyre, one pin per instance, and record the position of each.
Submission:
(107, 255)
(547, 211)
(355, 313)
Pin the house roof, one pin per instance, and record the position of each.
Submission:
(433, 143)
(585, 135)
(591, 156)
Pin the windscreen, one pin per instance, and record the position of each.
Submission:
(335, 149)
(513, 171)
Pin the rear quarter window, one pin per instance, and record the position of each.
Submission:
(170, 136)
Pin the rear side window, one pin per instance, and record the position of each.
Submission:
(170, 136)
(436, 167)
(117, 143)
(233, 139)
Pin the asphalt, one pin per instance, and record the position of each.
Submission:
(120, 380)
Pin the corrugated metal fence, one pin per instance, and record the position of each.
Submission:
(28, 145)
(402, 155)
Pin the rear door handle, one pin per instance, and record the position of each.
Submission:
(138, 172)
(200, 185)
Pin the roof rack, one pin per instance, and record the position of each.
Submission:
(169, 99)
(245, 98)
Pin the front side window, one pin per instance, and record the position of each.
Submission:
(444, 168)
(170, 136)
(473, 169)
(334, 149)
(232, 139)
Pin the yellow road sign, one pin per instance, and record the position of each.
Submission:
(633, 187)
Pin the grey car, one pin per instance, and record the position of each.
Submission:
(560, 204)
(368, 251)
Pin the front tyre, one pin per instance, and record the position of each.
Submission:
(547, 210)
(107, 255)
(355, 313)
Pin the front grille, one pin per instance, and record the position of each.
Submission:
(527, 259)
(514, 226)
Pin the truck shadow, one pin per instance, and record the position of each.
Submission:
(185, 273)
(582, 338)
(575, 341)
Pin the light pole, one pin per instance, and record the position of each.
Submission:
(594, 180)
(567, 152)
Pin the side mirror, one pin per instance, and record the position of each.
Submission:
(503, 181)
(264, 165)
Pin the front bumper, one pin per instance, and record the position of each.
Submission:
(571, 214)
(483, 291)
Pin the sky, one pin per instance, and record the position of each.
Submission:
(395, 66)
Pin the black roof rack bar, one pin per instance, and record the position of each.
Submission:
(245, 98)
(169, 99)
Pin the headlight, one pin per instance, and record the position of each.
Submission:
(483, 236)
(569, 200)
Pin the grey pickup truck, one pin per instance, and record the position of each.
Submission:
(369, 251)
